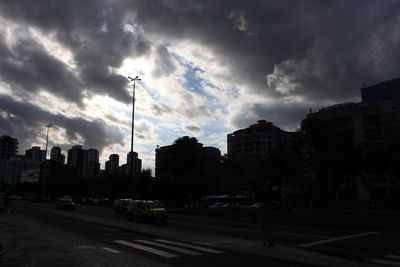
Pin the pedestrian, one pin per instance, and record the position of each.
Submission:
(266, 224)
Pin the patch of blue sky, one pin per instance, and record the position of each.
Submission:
(216, 127)
(192, 81)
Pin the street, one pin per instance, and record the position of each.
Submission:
(359, 245)
(39, 238)
(147, 243)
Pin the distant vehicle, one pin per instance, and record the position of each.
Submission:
(121, 204)
(256, 205)
(65, 204)
(219, 205)
(147, 210)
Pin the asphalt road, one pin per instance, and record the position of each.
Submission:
(360, 245)
(39, 238)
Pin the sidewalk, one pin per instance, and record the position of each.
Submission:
(280, 252)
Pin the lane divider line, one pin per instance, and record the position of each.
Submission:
(337, 239)
(147, 249)
(209, 250)
(111, 250)
(181, 250)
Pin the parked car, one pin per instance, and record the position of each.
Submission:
(65, 204)
(121, 204)
(147, 210)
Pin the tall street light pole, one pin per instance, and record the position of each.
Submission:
(48, 126)
(133, 116)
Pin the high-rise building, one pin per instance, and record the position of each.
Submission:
(253, 143)
(112, 164)
(91, 165)
(76, 157)
(205, 160)
(8, 147)
(35, 154)
(56, 155)
(133, 163)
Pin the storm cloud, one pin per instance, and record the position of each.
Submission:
(26, 121)
(253, 60)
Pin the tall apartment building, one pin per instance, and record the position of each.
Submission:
(112, 165)
(8, 147)
(133, 164)
(35, 154)
(85, 161)
(91, 165)
(75, 157)
(252, 143)
(56, 155)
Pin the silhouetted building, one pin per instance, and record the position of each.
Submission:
(210, 160)
(35, 154)
(76, 157)
(252, 143)
(364, 123)
(386, 93)
(112, 165)
(8, 147)
(54, 170)
(11, 170)
(56, 155)
(91, 166)
(206, 160)
(136, 167)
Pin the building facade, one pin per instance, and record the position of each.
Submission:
(35, 154)
(8, 147)
(206, 160)
(112, 165)
(56, 155)
(252, 144)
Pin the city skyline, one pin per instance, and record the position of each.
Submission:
(207, 68)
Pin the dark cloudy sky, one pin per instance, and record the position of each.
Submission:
(207, 67)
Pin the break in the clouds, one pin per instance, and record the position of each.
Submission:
(207, 67)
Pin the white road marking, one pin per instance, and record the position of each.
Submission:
(337, 239)
(392, 256)
(190, 246)
(181, 250)
(147, 249)
(390, 263)
(111, 250)
(249, 230)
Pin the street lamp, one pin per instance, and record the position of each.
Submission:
(48, 126)
(133, 116)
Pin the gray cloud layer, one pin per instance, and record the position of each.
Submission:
(319, 50)
(25, 122)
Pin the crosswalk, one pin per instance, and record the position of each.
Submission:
(167, 248)
(388, 260)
